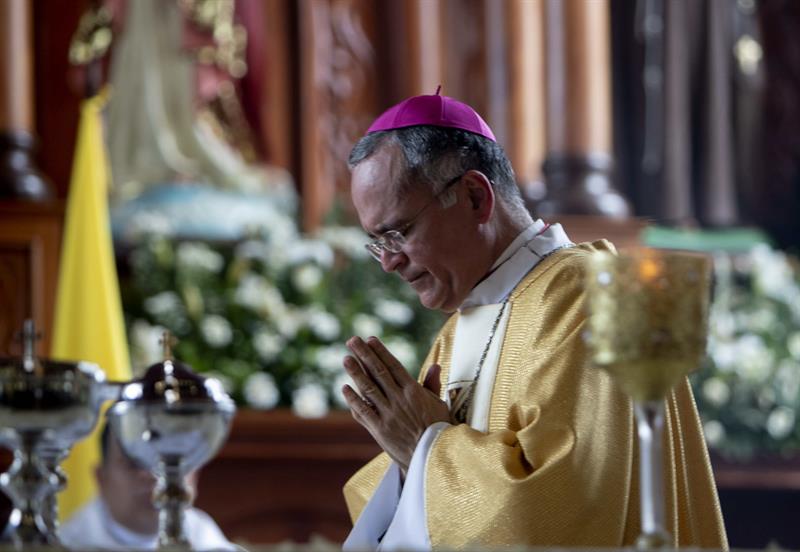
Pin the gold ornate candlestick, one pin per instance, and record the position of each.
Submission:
(648, 327)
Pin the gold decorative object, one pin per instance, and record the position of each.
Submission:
(93, 36)
(230, 38)
(648, 327)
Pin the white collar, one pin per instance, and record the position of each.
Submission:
(531, 246)
(121, 534)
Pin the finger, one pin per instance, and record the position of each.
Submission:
(362, 411)
(373, 364)
(366, 386)
(398, 372)
(433, 380)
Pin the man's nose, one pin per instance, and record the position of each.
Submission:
(390, 260)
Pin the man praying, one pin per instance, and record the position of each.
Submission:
(512, 438)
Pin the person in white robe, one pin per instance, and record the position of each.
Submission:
(123, 517)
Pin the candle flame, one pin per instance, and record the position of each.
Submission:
(649, 270)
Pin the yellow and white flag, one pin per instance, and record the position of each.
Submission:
(88, 313)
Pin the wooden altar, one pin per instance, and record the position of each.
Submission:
(280, 477)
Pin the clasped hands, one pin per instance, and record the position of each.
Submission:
(392, 406)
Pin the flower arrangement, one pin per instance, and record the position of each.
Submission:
(748, 391)
(269, 314)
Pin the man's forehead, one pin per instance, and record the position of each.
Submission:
(381, 171)
(375, 189)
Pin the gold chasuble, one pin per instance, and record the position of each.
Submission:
(559, 464)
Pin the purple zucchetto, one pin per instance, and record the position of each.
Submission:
(434, 110)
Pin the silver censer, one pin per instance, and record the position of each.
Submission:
(46, 406)
(171, 421)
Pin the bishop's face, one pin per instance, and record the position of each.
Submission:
(440, 258)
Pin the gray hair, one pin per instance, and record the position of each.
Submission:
(433, 155)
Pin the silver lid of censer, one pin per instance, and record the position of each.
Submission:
(46, 406)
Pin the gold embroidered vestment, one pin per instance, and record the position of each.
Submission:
(559, 465)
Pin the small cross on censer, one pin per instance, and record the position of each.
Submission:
(29, 336)
(167, 341)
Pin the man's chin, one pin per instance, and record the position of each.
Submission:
(434, 302)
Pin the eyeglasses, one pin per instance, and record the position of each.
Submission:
(394, 240)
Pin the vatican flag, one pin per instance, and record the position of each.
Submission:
(88, 312)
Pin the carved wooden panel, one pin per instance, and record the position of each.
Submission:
(30, 241)
(15, 292)
(337, 95)
(57, 89)
(280, 477)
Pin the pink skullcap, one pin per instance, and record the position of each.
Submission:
(434, 110)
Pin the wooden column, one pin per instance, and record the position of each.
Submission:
(525, 136)
(414, 49)
(579, 163)
(18, 176)
(278, 103)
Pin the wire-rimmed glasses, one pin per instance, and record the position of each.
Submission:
(394, 240)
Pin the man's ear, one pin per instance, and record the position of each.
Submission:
(481, 195)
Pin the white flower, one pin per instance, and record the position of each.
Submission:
(723, 353)
(365, 325)
(714, 432)
(252, 249)
(780, 422)
(268, 345)
(250, 291)
(288, 322)
(329, 359)
(258, 294)
(323, 324)
(763, 319)
(716, 391)
(162, 303)
(394, 312)
(310, 401)
(310, 250)
(306, 277)
(754, 358)
(403, 351)
(216, 330)
(772, 273)
(348, 239)
(336, 388)
(145, 223)
(722, 323)
(260, 391)
(282, 230)
(263, 251)
(199, 256)
(793, 344)
(787, 380)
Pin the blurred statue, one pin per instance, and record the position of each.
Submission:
(172, 158)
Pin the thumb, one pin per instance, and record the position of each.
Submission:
(433, 381)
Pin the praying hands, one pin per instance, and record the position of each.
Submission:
(392, 406)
